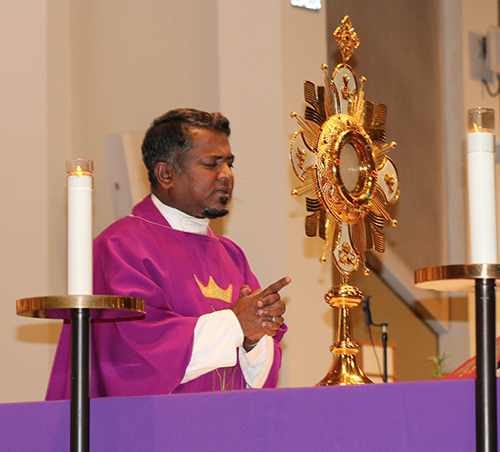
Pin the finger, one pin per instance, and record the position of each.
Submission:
(276, 286)
(269, 301)
(245, 290)
(277, 320)
(275, 309)
(272, 323)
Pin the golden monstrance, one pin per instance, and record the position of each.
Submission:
(339, 156)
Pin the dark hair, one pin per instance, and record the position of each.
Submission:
(169, 137)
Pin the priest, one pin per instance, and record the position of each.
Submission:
(208, 325)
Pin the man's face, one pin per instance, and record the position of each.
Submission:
(204, 187)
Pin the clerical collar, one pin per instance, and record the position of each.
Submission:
(180, 220)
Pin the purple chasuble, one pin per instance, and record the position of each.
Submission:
(142, 256)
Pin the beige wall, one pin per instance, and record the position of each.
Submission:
(78, 71)
(130, 62)
(100, 68)
(476, 19)
(24, 201)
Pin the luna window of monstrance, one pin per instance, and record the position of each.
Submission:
(340, 157)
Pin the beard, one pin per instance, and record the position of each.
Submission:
(215, 213)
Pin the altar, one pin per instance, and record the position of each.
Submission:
(403, 417)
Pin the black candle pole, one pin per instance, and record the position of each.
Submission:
(482, 279)
(79, 309)
(486, 389)
(80, 380)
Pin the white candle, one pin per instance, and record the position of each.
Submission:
(481, 184)
(80, 186)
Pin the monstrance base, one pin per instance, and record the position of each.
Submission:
(344, 371)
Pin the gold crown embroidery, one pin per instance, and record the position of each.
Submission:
(212, 290)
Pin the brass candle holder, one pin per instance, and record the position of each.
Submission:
(339, 156)
(80, 306)
(482, 279)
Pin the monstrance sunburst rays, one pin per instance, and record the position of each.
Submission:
(339, 155)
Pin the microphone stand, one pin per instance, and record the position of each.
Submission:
(369, 322)
(384, 347)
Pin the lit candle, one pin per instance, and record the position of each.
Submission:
(80, 186)
(481, 182)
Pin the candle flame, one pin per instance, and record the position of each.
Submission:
(476, 128)
(79, 171)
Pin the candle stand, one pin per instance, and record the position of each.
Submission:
(79, 310)
(481, 279)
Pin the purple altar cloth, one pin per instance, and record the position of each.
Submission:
(404, 417)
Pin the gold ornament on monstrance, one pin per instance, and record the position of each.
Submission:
(340, 156)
